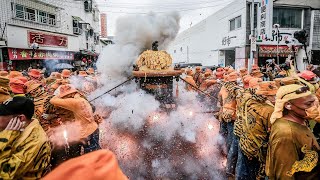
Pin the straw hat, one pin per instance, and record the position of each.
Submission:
(31, 85)
(58, 76)
(35, 73)
(282, 73)
(189, 72)
(17, 86)
(23, 79)
(14, 74)
(53, 74)
(246, 80)
(66, 73)
(4, 82)
(232, 77)
(267, 88)
(289, 80)
(90, 71)
(219, 74)
(219, 69)
(57, 83)
(66, 90)
(207, 74)
(255, 67)
(243, 72)
(278, 82)
(256, 74)
(254, 82)
(82, 74)
(4, 73)
(4, 94)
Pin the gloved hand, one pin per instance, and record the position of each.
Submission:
(15, 125)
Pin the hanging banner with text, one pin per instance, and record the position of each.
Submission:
(26, 54)
(265, 20)
(47, 39)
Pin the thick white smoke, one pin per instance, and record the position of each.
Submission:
(150, 143)
(134, 34)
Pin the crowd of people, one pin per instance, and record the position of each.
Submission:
(47, 121)
(269, 118)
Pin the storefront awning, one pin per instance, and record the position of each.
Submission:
(271, 51)
(26, 54)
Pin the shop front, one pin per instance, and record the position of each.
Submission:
(22, 59)
(266, 52)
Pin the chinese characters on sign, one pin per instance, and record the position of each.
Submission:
(271, 51)
(265, 18)
(227, 40)
(47, 39)
(25, 54)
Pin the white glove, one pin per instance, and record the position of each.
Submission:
(15, 125)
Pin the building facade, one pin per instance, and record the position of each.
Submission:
(224, 37)
(40, 32)
(104, 30)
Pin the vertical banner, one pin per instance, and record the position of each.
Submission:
(265, 20)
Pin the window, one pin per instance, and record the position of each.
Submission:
(287, 18)
(235, 23)
(19, 11)
(42, 17)
(29, 14)
(52, 19)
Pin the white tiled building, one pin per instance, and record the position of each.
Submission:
(64, 30)
(223, 37)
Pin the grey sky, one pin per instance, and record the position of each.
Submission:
(191, 11)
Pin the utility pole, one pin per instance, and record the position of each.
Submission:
(251, 61)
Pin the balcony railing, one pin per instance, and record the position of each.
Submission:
(32, 17)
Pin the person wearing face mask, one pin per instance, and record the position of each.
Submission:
(256, 124)
(293, 149)
(24, 147)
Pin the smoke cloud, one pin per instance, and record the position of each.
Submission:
(151, 143)
(134, 34)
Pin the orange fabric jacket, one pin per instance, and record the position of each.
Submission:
(190, 80)
(82, 111)
(98, 165)
(229, 104)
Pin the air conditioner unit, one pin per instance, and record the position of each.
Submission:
(86, 26)
(77, 30)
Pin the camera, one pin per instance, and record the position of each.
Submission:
(269, 61)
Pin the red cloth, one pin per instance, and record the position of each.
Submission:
(307, 75)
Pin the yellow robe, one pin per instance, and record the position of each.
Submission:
(285, 149)
(24, 155)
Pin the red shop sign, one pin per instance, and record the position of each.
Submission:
(25, 54)
(47, 39)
